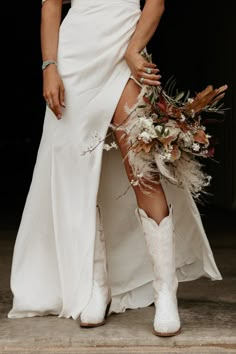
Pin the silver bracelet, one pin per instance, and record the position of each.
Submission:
(48, 62)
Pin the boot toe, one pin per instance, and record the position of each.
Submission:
(167, 328)
(95, 312)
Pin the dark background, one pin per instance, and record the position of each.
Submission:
(195, 44)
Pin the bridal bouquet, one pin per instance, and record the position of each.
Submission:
(166, 137)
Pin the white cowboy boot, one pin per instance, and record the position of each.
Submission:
(160, 244)
(96, 311)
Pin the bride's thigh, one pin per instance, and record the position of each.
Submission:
(128, 98)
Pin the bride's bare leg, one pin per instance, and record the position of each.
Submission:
(156, 205)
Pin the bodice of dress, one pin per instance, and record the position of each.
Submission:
(105, 1)
(135, 2)
(102, 4)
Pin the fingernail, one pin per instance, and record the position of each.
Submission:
(59, 116)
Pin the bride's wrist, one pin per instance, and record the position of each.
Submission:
(49, 69)
(47, 63)
(130, 52)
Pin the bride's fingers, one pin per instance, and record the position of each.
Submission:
(62, 96)
(149, 65)
(148, 68)
(150, 82)
(56, 105)
(148, 79)
(150, 71)
(144, 81)
(152, 77)
(49, 102)
(55, 101)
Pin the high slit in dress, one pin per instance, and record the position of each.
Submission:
(52, 267)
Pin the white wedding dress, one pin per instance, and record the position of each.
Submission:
(52, 268)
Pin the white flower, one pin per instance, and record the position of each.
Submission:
(165, 156)
(196, 147)
(146, 129)
(134, 183)
(145, 123)
(108, 147)
(114, 145)
(162, 157)
(168, 156)
(145, 137)
(205, 152)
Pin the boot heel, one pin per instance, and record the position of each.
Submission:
(107, 310)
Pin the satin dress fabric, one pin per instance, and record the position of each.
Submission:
(52, 266)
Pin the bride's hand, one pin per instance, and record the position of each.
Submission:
(53, 90)
(143, 71)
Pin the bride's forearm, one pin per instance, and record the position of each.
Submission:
(147, 25)
(50, 22)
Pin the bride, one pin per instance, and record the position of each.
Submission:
(84, 248)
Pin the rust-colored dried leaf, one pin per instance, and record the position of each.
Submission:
(200, 137)
(183, 126)
(205, 98)
(168, 140)
(175, 153)
(143, 146)
(174, 112)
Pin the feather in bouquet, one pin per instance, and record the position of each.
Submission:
(166, 137)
